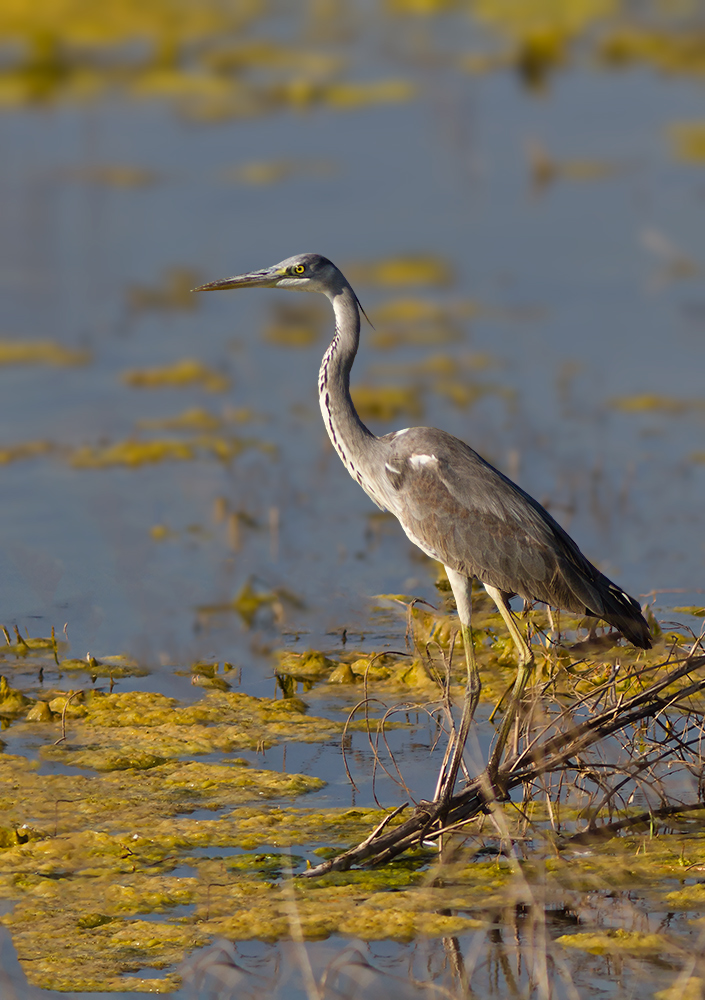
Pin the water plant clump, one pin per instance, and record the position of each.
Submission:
(108, 838)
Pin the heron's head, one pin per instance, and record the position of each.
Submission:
(307, 272)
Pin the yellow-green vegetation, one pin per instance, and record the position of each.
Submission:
(690, 989)
(174, 291)
(196, 418)
(85, 857)
(545, 169)
(12, 701)
(455, 378)
(295, 324)
(673, 50)
(24, 646)
(573, 669)
(40, 352)
(653, 403)
(616, 942)
(134, 452)
(198, 56)
(214, 63)
(187, 372)
(539, 34)
(417, 321)
(385, 672)
(323, 908)
(688, 138)
(88, 887)
(28, 449)
(401, 272)
(109, 730)
(249, 601)
(387, 402)
(264, 172)
(517, 18)
(107, 666)
(118, 175)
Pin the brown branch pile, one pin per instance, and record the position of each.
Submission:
(558, 746)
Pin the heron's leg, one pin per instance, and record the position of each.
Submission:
(525, 654)
(462, 592)
(526, 663)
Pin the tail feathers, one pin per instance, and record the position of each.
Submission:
(624, 613)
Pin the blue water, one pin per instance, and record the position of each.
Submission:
(578, 307)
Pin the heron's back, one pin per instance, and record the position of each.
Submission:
(462, 511)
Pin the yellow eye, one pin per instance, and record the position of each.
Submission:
(299, 268)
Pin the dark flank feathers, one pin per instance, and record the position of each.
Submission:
(464, 512)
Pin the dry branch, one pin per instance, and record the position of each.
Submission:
(551, 751)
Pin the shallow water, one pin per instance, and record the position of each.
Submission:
(574, 316)
(564, 293)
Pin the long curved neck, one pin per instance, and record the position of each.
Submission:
(350, 438)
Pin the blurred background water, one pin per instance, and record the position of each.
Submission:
(516, 192)
(539, 184)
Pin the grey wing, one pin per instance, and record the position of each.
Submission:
(464, 512)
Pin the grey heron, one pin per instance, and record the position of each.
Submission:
(451, 503)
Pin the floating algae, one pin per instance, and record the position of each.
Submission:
(390, 674)
(12, 701)
(107, 666)
(295, 325)
(174, 292)
(617, 942)
(402, 272)
(186, 372)
(654, 403)
(86, 858)
(118, 175)
(28, 449)
(27, 646)
(387, 402)
(87, 893)
(40, 352)
(265, 172)
(134, 453)
(249, 601)
(221, 721)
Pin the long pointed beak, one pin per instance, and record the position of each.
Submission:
(254, 279)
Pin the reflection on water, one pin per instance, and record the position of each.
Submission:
(518, 956)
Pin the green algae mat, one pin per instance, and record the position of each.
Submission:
(102, 855)
(97, 822)
(132, 832)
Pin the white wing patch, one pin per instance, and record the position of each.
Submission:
(417, 461)
(404, 430)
